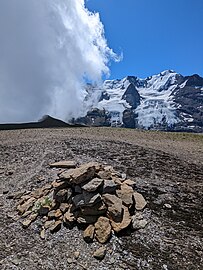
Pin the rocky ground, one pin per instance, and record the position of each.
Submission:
(167, 169)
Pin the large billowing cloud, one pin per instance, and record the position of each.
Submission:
(47, 48)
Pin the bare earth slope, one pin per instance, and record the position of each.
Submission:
(167, 168)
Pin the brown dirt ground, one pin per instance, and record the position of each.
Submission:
(167, 168)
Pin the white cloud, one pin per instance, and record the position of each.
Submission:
(46, 49)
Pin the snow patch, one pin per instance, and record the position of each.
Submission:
(156, 105)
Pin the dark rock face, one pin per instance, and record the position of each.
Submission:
(189, 103)
(129, 118)
(105, 96)
(132, 96)
(166, 101)
(95, 117)
(194, 80)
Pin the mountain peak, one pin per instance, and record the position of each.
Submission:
(166, 101)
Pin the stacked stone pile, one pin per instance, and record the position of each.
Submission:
(92, 196)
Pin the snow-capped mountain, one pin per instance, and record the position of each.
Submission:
(166, 101)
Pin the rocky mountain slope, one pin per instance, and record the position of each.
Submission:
(167, 101)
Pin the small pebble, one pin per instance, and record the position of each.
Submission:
(76, 254)
(69, 260)
(168, 206)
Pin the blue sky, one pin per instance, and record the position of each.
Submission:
(154, 35)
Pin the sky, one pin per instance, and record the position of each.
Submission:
(47, 48)
(153, 35)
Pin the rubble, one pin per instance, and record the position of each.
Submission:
(96, 196)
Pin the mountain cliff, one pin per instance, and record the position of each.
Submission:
(166, 101)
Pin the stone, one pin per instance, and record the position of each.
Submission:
(98, 209)
(81, 219)
(93, 185)
(78, 200)
(70, 261)
(45, 218)
(16, 262)
(114, 205)
(130, 183)
(64, 164)
(100, 253)
(109, 186)
(48, 224)
(26, 223)
(38, 193)
(63, 195)
(64, 207)
(47, 186)
(55, 227)
(76, 254)
(42, 234)
(24, 198)
(125, 194)
(106, 175)
(167, 205)
(98, 166)
(140, 202)
(43, 210)
(138, 222)
(102, 229)
(78, 189)
(117, 181)
(81, 174)
(126, 220)
(59, 184)
(69, 218)
(88, 234)
(91, 198)
(27, 213)
(109, 168)
(86, 199)
(26, 205)
(55, 214)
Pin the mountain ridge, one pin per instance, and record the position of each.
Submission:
(166, 101)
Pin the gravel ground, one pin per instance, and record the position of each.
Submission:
(167, 168)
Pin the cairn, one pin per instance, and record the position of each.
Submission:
(93, 196)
